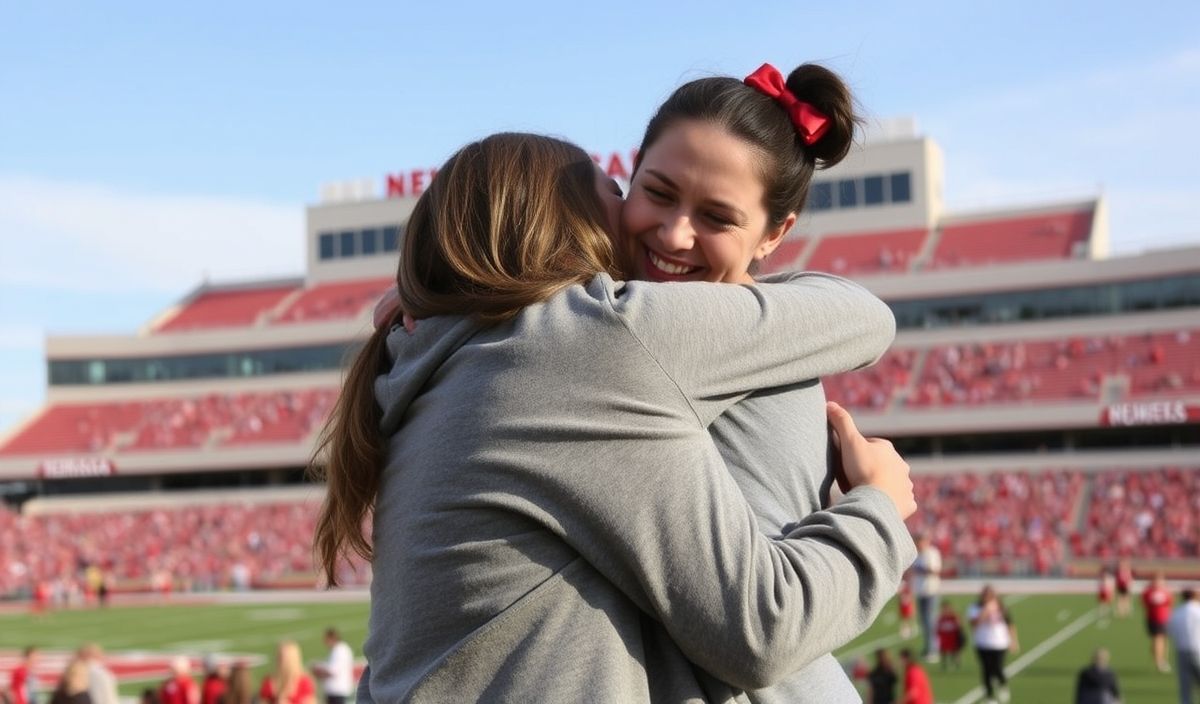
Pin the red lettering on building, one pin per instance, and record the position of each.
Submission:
(395, 186)
(615, 168)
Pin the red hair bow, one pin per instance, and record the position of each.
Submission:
(809, 122)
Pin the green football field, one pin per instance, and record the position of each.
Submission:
(1057, 632)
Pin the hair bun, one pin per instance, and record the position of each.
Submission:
(825, 90)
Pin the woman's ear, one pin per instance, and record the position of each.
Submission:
(774, 237)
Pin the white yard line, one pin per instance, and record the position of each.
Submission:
(1038, 651)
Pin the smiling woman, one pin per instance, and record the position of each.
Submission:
(725, 168)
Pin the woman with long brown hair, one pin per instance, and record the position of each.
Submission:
(536, 462)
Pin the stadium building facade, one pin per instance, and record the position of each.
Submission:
(1034, 384)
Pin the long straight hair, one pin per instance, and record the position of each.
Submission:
(507, 222)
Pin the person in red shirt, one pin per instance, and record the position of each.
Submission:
(1105, 592)
(180, 688)
(216, 681)
(1124, 586)
(288, 683)
(22, 688)
(917, 689)
(950, 636)
(908, 610)
(1157, 600)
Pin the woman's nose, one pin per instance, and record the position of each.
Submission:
(677, 234)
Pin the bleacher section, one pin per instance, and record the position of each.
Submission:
(225, 309)
(1002, 522)
(1160, 364)
(871, 253)
(213, 419)
(1142, 515)
(1058, 370)
(873, 388)
(334, 300)
(203, 547)
(1011, 239)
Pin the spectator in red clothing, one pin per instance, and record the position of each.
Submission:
(917, 689)
(950, 636)
(216, 681)
(1105, 592)
(288, 683)
(22, 688)
(180, 688)
(1157, 600)
(908, 610)
(1124, 585)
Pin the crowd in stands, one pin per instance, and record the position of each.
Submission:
(224, 546)
(872, 388)
(1142, 514)
(160, 424)
(999, 522)
(1064, 369)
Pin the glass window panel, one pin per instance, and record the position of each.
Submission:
(325, 246)
(873, 190)
(391, 239)
(847, 193)
(821, 197)
(346, 244)
(370, 241)
(901, 187)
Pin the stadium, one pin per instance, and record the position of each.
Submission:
(1046, 395)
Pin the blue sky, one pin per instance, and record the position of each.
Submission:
(144, 146)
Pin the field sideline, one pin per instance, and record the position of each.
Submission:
(1058, 633)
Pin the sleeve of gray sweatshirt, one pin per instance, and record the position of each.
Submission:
(721, 343)
(666, 523)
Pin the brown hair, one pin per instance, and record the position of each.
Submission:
(507, 222)
(786, 163)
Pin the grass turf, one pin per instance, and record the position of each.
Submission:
(1048, 676)
(255, 628)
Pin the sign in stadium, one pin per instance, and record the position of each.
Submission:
(1150, 413)
(72, 467)
(405, 184)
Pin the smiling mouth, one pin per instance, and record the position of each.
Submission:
(659, 268)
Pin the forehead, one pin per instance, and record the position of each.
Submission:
(700, 154)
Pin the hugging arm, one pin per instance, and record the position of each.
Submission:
(721, 342)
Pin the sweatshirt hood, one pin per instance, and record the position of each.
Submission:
(416, 357)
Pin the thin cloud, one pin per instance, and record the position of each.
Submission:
(1071, 136)
(83, 237)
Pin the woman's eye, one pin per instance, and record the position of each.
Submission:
(719, 220)
(657, 195)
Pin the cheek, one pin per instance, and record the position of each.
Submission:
(635, 216)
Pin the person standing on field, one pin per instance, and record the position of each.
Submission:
(927, 583)
(1157, 600)
(1184, 628)
(337, 671)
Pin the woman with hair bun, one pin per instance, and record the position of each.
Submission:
(722, 174)
(551, 519)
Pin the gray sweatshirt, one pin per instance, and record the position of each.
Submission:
(552, 479)
(774, 443)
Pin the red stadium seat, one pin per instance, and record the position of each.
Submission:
(1012, 239)
(226, 309)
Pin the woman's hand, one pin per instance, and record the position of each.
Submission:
(871, 461)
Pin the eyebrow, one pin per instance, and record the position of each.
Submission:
(735, 212)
